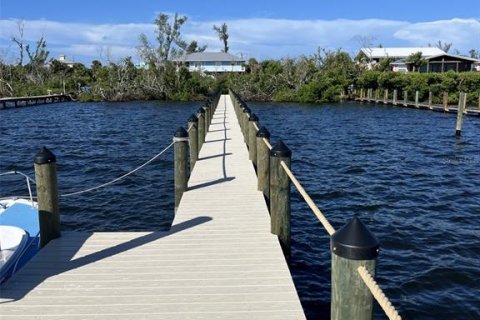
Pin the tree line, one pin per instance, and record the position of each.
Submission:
(319, 77)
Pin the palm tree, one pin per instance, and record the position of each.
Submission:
(222, 32)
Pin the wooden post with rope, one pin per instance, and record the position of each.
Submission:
(263, 162)
(252, 138)
(352, 246)
(47, 195)
(180, 139)
(280, 195)
(193, 139)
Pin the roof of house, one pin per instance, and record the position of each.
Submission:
(454, 56)
(400, 52)
(209, 56)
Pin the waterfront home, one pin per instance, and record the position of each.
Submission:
(435, 59)
(63, 59)
(211, 62)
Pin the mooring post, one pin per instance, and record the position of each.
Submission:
(395, 92)
(461, 106)
(180, 140)
(445, 101)
(263, 162)
(280, 195)
(405, 98)
(252, 138)
(417, 103)
(193, 139)
(430, 99)
(465, 103)
(479, 102)
(352, 246)
(201, 128)
(47, 195)
(246, 116)
(207, 116)
(385, 96)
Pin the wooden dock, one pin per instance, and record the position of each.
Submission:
(218, 261)
(15, 102)
(420, 105)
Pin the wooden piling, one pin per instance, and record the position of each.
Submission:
(207, 120)
(417, 102)
(445, 101)
(385, 96)
(180, 139)
(47, 196)
(263, 163)
(405, 98)
(280, 195)
(430, 100)
(352, 246)
(193, 139)
(252, 138)
(461, 107)
(395, 93)
(246, 116)
(201, 128)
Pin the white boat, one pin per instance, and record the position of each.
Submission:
(19, 234)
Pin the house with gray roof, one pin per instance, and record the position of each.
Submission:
(211, 62)
(435, 59)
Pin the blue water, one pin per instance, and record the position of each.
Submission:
(402, 171)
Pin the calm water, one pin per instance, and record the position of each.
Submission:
(402, 171)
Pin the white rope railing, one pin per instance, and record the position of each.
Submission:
(377, 292)
(308, 200)
(269, 146)
(119, 178)
(306, 197)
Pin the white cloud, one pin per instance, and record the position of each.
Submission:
(463, 33)
(260, 38)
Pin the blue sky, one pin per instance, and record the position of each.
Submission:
(108, 30)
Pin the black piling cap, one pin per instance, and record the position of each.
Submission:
(193, 118)
(280, 150)
(45, 156)
(263, 133)
(201, 110)
(181, 133)
(355, 242)
(253, 117)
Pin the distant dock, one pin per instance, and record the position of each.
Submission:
(392, 98)
(16, 102)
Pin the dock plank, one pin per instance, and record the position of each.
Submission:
(218, 261)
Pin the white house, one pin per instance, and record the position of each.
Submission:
(63, 59)
(374, 55)
(212, 62)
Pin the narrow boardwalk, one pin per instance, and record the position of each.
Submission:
(219, 261)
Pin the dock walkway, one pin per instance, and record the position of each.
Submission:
(219, 260)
